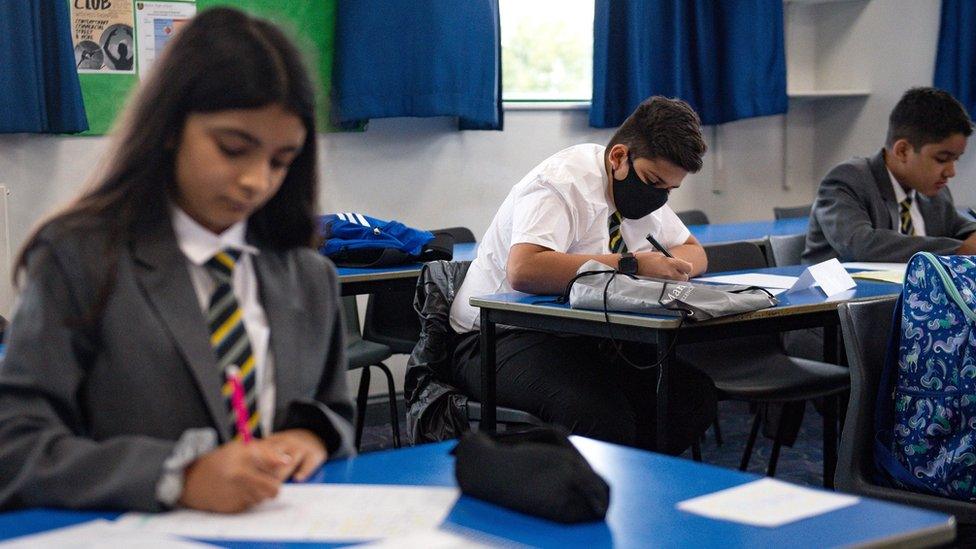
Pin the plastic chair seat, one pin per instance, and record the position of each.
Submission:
(781, 380)
(362, 353)
(756, 369)
(503, 414)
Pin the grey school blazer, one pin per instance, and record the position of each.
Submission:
(856, 218)
(88, 415)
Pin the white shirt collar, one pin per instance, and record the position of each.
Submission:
(900, 193)
(199, 244)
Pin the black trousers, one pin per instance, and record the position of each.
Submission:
(582, 384)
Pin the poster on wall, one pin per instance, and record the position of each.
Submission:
(156, 24)
(102, 36)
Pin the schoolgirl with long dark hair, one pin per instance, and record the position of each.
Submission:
(177, 342)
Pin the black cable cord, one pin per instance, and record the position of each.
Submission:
(564, 298)
(685, 313)
(616, 345)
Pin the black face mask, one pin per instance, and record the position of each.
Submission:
(633, 197)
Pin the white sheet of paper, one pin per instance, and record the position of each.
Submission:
(766, 502)
(869, 266)
(99, 534)
(829, 275)
(768, 281)
(314, 512)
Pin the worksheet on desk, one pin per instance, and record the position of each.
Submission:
(766, 502)
(776, 284)
(313, 512)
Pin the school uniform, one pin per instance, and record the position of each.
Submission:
(565, 204)
(857, 217)
(91, 411)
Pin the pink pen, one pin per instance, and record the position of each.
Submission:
(238, 402)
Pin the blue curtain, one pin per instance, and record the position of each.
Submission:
(726, 59)
(955, 62)
(39, 89)
(418, 58)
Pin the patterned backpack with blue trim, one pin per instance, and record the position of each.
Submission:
(926, 416)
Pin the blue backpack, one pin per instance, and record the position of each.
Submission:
(926, 406)
(357, 240)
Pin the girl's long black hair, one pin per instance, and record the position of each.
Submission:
(222, 59)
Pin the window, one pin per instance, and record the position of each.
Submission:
(547, 50)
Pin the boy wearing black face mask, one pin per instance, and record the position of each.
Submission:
(590, 202)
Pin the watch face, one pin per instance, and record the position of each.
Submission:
(627, 264)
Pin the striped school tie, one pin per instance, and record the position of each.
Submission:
(906, 217)
(617, 244)
(229, 339)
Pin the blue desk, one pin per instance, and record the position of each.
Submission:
(355, 281)
(644, 490)
(799, 310)
(752, 231)
(757, 231)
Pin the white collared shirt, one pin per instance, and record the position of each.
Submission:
(562, 204)
(917, 222)
(199, 245)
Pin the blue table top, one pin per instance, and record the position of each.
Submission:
(644, 490)
(787, 302)
(757, 230)
(748, 230)
(462, 252)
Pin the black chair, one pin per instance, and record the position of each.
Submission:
(756, 369)
(786, 250)
(865, 326)
(362, 354)
(390, 318)
(693, 217)
(792, 211)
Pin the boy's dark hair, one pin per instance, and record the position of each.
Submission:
(663, 128)
(927, 115)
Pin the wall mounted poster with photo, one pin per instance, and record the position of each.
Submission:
(117, 41)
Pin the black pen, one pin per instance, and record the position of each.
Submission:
(657, 245)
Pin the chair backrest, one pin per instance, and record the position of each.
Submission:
(390, 317)
(734, 256)
(787, 249)
(462, 235)
(865, 325)
(692, 217)
(792, 211)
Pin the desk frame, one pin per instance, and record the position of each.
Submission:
(656, 330)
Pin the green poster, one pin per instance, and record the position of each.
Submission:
(110, 55)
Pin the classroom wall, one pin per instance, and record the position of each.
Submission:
(426, 173)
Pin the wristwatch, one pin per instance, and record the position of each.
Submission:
(627, 263)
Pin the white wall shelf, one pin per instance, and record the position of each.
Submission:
(815, 1)
(824, 73)
(812, 95)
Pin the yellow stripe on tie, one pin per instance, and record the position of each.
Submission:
(221, 332)
(247, 367)
(227, 389)
(252, 423)
(225, 259)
